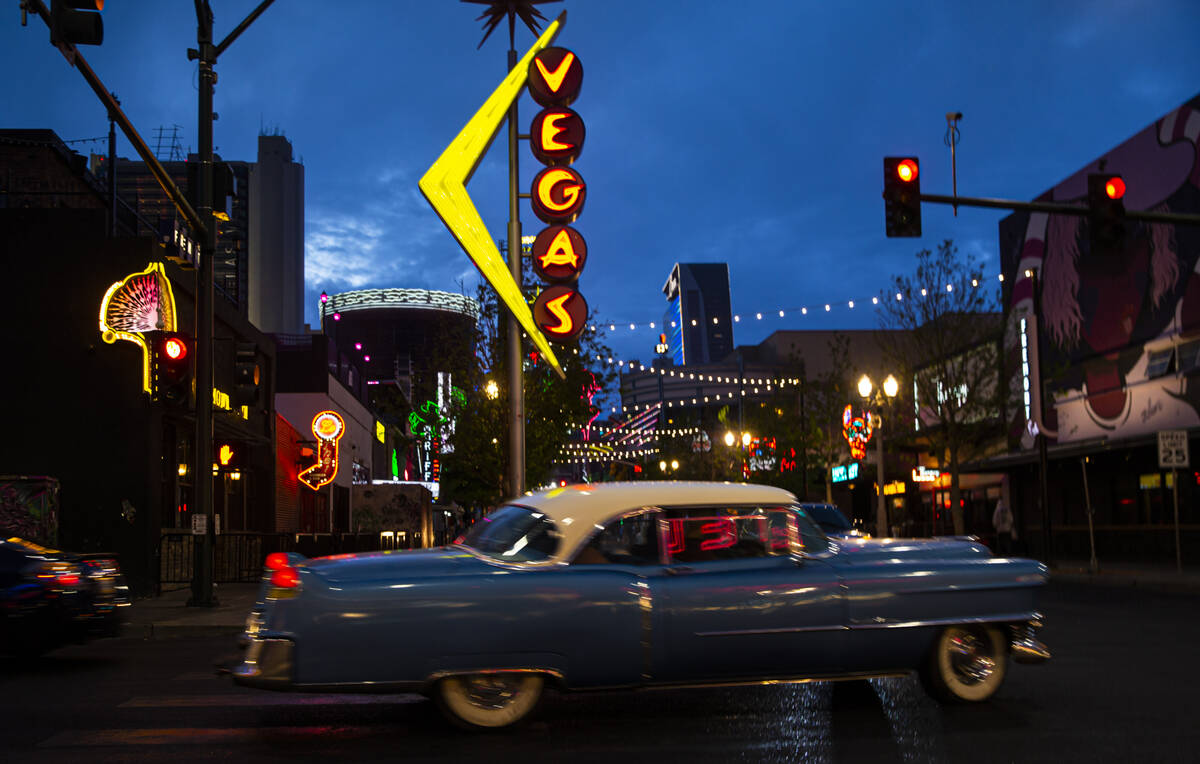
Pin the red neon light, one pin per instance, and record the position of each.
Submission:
(723, 531)
(555, 78)
(565, 324)
(566, 182)
(551, 130)
(675, 540)
(561, 251)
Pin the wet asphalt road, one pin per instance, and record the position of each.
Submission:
(1119, 688)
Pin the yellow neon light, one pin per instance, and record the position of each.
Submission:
(551, 179)
(444, 186)
(380, 432)
(555, 306)
(555, 78)
(128, 311)
(551, 130)
(560, 252)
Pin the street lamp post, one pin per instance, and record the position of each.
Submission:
(881, 397)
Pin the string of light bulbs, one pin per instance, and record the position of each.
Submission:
(827, 307)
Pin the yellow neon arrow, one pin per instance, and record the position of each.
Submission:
(444, 186)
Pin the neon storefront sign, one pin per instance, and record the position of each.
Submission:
(141, 302)
(328, 427)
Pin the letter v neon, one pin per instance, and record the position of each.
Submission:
(554, 79)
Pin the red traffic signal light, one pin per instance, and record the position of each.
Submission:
(174, 348)
(171, 366)
(1106, 214)
(907, 170)
(902, 196)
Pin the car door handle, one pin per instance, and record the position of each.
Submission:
(679, 570)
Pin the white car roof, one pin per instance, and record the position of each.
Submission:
(577, 509)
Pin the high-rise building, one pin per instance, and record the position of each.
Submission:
(276, 238)
(698, 322)
(156, 216)
(259, 259)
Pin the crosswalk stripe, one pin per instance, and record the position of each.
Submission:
(266, 699)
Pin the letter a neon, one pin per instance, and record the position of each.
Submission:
(561, 251)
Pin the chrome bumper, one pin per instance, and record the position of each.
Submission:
(268, 664)
(1025, 648)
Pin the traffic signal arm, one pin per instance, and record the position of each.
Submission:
(1059, 208)
(118, 116)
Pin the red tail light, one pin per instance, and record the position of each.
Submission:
(68, 579)
(276, 561)
(285, 578)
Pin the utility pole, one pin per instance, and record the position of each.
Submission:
(206, 53)
(112, 171)
(202, 573)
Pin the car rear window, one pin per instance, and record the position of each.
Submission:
(514, 534)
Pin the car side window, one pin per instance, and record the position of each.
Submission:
(703, 534)
(631, 540)
(812, 537)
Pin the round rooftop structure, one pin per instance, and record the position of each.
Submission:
(392, 332)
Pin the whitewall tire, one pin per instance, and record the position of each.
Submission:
(967, 664)
(489, 701)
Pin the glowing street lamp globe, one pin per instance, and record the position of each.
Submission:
(729, 438)
(891, 386)
(865, 387)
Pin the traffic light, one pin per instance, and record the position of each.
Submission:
(1106, 213)
(171, 367)
(76, 22)
(902, 196)
(246, 375)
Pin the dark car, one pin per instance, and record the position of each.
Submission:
(49, 598)
(831, 520)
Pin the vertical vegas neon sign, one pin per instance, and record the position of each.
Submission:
(558, 193)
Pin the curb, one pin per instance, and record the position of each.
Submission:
(152, 631)
(1173, 585)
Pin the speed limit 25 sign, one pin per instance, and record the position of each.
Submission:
(1172, 449)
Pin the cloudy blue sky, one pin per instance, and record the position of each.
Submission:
(748, 133)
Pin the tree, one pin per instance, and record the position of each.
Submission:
(825, 398)
(949, 351)
(475, 474)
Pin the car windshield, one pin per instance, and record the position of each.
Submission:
(829, 518)
(514, 534)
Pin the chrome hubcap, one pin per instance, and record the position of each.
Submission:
(970, 658)
(492, 691)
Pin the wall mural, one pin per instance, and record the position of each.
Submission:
(1115, 329)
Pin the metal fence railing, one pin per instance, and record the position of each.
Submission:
(238, 556)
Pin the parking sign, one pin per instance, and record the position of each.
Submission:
(1172, 449)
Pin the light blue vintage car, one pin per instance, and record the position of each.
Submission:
(630, 585)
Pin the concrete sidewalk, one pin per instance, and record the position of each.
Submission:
(169, 614)
(1150, 576)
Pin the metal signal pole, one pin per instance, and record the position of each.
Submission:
(206, 53)
(516, 383)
